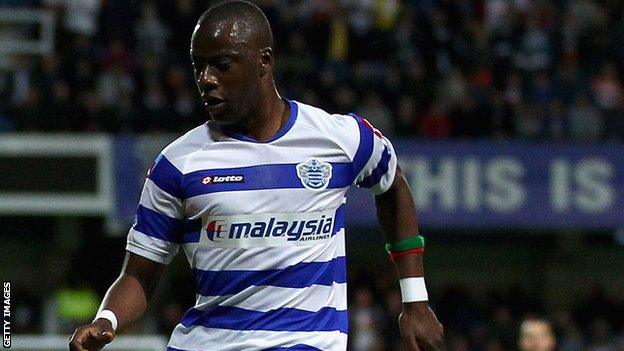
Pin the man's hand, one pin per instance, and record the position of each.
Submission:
(92, 337)
(420, 328)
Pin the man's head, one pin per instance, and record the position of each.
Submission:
(232, 56)
(536, 335)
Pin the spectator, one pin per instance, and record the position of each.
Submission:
(607, 88)
(435, 123)
(601, 339)
(528, 122)
(377, 113)
(535, 49)
(152, 35)
(536, 335)
(366, 319)
(586, 123)
(556, 121)
(470, 119)
(407, 111)
(79, 16)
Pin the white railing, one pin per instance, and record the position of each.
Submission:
(95, 146)
(60, 343)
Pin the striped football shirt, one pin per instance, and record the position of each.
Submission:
(262, 227)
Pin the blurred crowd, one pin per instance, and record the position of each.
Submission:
(522, 69)
(491, 321)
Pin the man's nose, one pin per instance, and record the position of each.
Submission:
(208, 79)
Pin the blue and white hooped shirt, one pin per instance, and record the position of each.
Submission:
(262, 227)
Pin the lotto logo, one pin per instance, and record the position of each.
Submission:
(223, 179)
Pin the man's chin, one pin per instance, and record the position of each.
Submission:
(217, 108)
(222, 119)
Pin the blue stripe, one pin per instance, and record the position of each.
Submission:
(163, 227)
(339, 219)
(365, 147)
(191, 237)
(281, 319)
(380, 170)
(272, 176)
(167, 177)
(300, 275)
(298, 347)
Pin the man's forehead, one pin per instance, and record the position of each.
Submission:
(227, 31)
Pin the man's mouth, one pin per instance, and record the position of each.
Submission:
(213, 101)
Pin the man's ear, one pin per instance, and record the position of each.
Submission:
(267, 60)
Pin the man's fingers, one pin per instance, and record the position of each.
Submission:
(410, 343)
(438, 339)
(74, 346)
(77, 340)
(90, 338)
(434, 341)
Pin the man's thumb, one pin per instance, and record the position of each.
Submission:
(106, 336)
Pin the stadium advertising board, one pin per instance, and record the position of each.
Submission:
(464, 184)
(529, 185)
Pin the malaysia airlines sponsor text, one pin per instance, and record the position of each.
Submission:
(270, 229)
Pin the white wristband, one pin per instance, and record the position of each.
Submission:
(110, 315)
(413, 289)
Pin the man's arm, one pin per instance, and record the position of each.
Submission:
(126, 298)
(396, 212)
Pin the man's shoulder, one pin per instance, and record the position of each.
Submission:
(337, 129)
(322, 120)
(189, 142)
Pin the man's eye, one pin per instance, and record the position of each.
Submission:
(223, 65)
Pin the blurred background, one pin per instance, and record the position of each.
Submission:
(507, 115)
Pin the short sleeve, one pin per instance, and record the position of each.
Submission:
(159, 223)
(374, 162)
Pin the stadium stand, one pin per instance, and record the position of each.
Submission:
(548, 71)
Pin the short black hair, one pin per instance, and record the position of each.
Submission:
(251, 16)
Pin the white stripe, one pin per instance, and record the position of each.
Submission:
(158, 200)
(256, 258)
(200, 338)
(266, 298)
(341, 131)
(297, 143)
(152, 248)
(264, 200)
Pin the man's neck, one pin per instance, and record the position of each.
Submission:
(272, 115)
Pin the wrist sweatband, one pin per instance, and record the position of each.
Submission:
(109, 315)
(406, 244)
(413, 289)
(395, 255)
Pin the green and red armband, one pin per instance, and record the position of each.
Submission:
(409, 246)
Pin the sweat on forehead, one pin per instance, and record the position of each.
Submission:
(241, 21)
